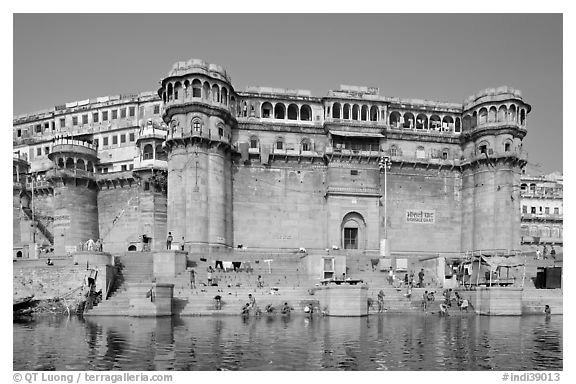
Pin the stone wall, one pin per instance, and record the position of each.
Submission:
(119, 217)
(34, 277)
(434, 194)
(281, 206)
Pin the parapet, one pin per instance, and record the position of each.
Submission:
(493, 95)
(278, 91)
(182, 68)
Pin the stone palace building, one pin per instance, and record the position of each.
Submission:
(270, 169)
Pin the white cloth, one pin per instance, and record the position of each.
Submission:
(227, 265)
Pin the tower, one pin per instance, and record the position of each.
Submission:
(75, 194)
(494, 124)
(20, 201)
(198, 101)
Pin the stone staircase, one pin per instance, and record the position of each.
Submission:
(132, 283)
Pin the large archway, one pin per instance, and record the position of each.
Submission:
(353, 231)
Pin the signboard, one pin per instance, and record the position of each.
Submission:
(421, 216)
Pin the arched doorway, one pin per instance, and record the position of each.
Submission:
(132, 248)
(353, 231)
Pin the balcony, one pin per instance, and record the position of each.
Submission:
(541, 217)
(150, 163)
(59, 173)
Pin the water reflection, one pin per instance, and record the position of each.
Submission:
(390, 342)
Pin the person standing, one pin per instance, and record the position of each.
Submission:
(252, 301)
(209, 277)
(169, 241)
(381, 301)
(552, 252)
(421, 278)
(182, 244)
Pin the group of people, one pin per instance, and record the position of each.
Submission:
(170, 239)
(408, 279)
(91, 245)
(429, 297)
(544, 253)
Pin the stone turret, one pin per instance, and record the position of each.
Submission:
(494, 124)
(75, 194)
(199, 102)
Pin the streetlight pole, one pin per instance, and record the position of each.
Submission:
(384, 165)
(33, 178)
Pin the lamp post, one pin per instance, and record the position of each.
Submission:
(385, 164)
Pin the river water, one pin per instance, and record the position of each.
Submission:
(385, 342)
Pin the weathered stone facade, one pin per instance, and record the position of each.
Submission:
(276, 169)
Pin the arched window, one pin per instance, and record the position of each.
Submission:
(292, 112)
(177, 90)
(196, 88)
(206, 91)
(80, 164)
(483, 116)
(196, 127)
(512, 113)
(356, 112)
(279, 111)
(305, 145)
(305, 113)
(132, 248)
(353, 231)
(170, 93)
(445, 154)
(435, 122)
(408, 120)
(164, 97)
(336, 111)
(447, 124)
(502, 113)
(60, 163)
(266, 110)
(522, 116)
(421, 121)
(374, 113)
(224, 99)
(492, 115)
(523, 187)
(545, 232)
(394, 150)
(507, 146)
(533, 230)
(279, 144)
(346, 114)
(533, 188)
(457, 125)
(148, 152)
(19, 254)
(69, 163)
(364, 113)
(555, 232)
(215, 93)
(90, 167)
(483, 148)
(253, 141)
(160, 153)
(186, 89)
(394, 119)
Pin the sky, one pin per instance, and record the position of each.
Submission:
(58, 58)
